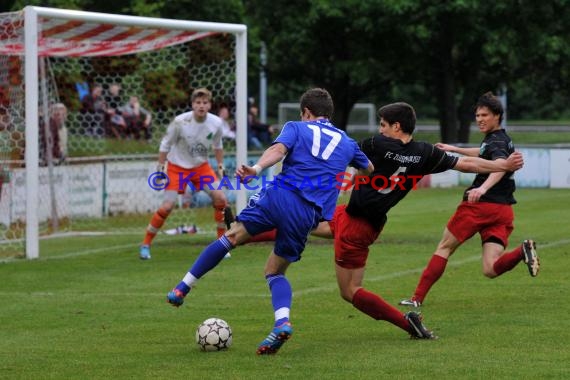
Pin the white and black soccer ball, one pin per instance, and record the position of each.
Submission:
(214, 334)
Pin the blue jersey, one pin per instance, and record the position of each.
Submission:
(317, 153)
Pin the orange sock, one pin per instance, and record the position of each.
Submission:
(156, 222)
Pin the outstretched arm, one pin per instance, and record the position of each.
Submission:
(478, 165)
(270, 157)
(471, 152)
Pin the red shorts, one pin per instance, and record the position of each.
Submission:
(201, 177)
(489, 219)
(352, 237)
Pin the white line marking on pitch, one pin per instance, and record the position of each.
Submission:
(456, 263)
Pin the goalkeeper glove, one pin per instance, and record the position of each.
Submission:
(221, 171)
(162, 169)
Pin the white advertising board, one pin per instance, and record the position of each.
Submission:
(560, 168)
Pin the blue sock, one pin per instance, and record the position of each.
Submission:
(281, 297)
(211, 256)
(183, 287)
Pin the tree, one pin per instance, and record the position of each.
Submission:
(477, 46)
(434, 54)
(327, 44)
(455, 50)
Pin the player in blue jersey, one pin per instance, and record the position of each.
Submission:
(311, 149)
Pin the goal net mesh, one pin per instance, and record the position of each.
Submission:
(94, 164)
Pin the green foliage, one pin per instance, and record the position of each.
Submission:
(214, 11)
(146, 8)
(439, 56)
(90, 309)
(63, 4)
(164, 90)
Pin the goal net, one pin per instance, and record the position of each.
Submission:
(71, 164)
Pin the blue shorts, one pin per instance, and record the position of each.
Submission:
(283, 209)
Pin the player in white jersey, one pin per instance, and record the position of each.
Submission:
(185, 147)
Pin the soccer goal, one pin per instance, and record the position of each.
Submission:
(70, 166)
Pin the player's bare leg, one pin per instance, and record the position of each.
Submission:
(492, 252)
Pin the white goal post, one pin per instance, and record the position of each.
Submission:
(36, 45)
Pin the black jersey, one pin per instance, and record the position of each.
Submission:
(397, 169)
(496, 144)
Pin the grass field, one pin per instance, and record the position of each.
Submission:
(90, 309)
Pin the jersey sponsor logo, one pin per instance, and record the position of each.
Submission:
(198, 150)
(402, 158)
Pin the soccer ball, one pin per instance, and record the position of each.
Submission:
(214, 334)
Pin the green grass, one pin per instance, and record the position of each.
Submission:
(90, 309)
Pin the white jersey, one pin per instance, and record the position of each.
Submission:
(187, 141)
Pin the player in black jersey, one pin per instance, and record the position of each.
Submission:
(399, 163)
(486, 209)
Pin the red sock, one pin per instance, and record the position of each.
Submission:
(431, 274)
(264, 236)
(219, 218)
(508, 261)
(374, 306)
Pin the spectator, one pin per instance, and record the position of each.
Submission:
(115, 125)
(53, 137)
(261, 131)
(59, 117)
(229, 126)
(137, 119)
(94, 111)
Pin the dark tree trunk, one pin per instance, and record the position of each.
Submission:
(465, 114)
(343, 103)
(446, 103)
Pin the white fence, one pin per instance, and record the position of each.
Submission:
(77, 196)
(543, 168)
